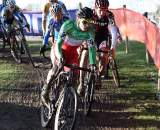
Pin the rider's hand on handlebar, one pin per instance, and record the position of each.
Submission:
(61, 62)
(28, 27)
(93, 67)
(111, 53)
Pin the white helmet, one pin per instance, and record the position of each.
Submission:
(10, 3)
(55, 8)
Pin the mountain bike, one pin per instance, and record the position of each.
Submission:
(63, 100)
(111, 66)
(17, 41)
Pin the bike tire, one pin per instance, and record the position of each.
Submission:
(15, 50)
(88, 97)
(115, 73)
(66, 97)
(46, 114)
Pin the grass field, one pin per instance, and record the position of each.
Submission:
(138, 81)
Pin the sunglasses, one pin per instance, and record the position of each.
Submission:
(12, 6)
(86, 22)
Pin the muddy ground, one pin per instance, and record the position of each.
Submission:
(20, 105)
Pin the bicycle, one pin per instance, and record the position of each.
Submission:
(90, 79)
(63, 100)
(18, 43)
(112, 66)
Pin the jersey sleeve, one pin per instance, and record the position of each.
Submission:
(111, 18)
(45, 11)
(92, 48)
(47, 34)
(65, 29)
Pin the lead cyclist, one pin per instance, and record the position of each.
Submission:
(71, 36)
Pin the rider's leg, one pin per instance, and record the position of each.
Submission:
(43, 48)
(46, 87)
(83, 63)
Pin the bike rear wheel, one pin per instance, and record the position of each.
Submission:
(115, 73)
(66, 110)
(88, 98)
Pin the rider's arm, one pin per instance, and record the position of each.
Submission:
(45, 13)
(113, 30)
(47, 34)
(92, 49)
(46, 37)
(4, 15)
(65, 28)
(19, 16)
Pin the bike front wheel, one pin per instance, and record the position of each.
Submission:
(115, 73)
(88, 98)
(66, 110)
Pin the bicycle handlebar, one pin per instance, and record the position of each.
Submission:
(75, 67)
(99, 50)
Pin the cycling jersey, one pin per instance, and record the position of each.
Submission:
(8, 17)
(70, 36)
(46, 13)
(101, 26)
(54, 27)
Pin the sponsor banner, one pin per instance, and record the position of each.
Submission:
(35, 21)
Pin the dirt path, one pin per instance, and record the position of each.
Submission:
(19, 107)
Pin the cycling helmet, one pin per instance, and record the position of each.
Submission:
(52, 1)
(85, 12)
(10, 3)
(101, 3)
(55, 8)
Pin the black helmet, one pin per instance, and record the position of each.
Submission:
(85, 12)
(101, 3)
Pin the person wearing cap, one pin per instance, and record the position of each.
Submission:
(106, 29)
(71, 36)
(46, 17)
(55, 23)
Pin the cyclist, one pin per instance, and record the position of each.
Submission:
(11, 13)
(57, 19)
(46, 16)
(104, 24)
(72, 34)
(12, 16)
